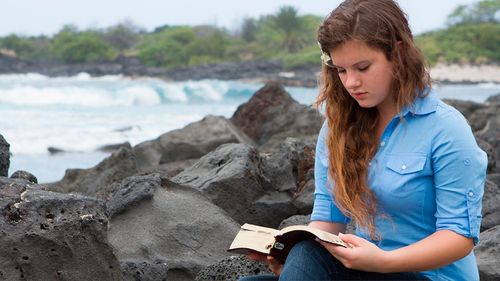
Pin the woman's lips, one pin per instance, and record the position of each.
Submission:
(358, 95)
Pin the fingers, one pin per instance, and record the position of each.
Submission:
(338, 252)
(256, 256)
(351, 239)
(274, 265)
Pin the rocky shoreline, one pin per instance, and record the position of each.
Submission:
(256, 71)
(168, 208)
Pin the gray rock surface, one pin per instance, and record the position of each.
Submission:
(231, 177)
(290, 168)
(493, 99)
(177, 231)
(114, 147)
(491, 134)
(488, 254)
(491, 206)
(272, 115)
(4, 157)
(52, 236)
(144, 271)
(494, 178)
(95, 181)
(170, 169)
(295, 220)
(231, 269)
(192, 141)
(465, 107)
(479, 118)
(252, 188)
(130, 192)
(24, 175)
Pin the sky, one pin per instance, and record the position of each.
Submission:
(37, 17)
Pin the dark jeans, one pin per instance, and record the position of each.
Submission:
(308, 260)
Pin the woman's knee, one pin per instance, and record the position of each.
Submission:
(306, 248)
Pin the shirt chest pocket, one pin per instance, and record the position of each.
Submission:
(406, 174)
(405, 164)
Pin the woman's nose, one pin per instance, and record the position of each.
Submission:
(352, 81)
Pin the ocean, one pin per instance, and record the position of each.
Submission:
(82, 113)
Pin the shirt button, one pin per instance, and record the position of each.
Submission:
(471, 193)
(403, 167)
(382, 143)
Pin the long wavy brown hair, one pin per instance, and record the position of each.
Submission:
(352, 141)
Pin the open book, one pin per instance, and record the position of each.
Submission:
(277, 243)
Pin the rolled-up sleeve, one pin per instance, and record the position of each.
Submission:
(324, 208)
(459, 175)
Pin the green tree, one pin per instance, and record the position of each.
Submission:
(19, 45)
(123, 36)
(291, 27)
(486, 11)
(72, 46)
(248, 30)
(209, 46)
(167, 48)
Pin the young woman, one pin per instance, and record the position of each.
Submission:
(390, 156)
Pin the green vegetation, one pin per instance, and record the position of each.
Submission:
(472, 36)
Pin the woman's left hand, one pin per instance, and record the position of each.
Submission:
(363, 255)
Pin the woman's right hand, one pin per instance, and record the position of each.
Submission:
(272, 263)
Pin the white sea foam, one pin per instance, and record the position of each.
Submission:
(489, 85)
(28, 77)
(84, 90)
(140, 95)
(82, 113)
(209, 91)
(174, 92)
(33, 96)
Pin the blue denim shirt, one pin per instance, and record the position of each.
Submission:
(428, 174)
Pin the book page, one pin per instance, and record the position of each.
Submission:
(253, 237)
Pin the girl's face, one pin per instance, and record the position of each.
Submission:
(366, 74)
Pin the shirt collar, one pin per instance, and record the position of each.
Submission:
(422, 105)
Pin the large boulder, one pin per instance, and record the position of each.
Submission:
(491, 206)
(256, 188)
(479, 118)
(494, 178)
(272, 115)
(488, 254)
(465, 107)
(4, 157)
(20, 174)
(493, 99)
(290, 169)
(130, 192)
(96, 181)
(171, 235)
(491, 133)
(192, 141)
(231, 176)
(52, 236)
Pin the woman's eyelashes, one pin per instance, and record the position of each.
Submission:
(360, 69)
(363, 68)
